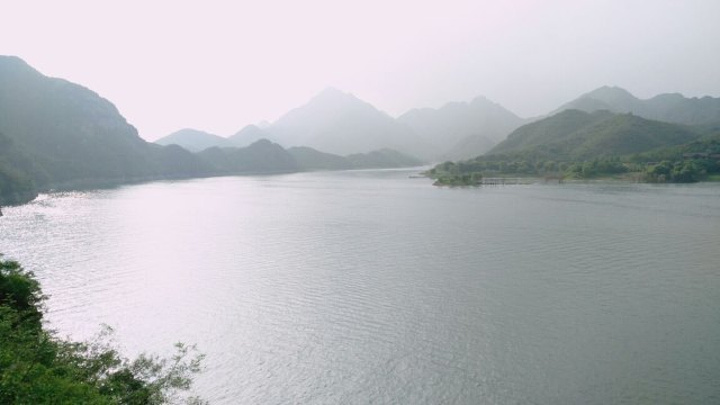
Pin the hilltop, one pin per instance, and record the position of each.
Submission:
(249, 134)
(578, 135)
(65, 135)
(194, 140)
(340, 123)
(673, 107)
(578, 144)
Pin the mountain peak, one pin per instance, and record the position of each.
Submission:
(333, 95)
(611, 98)
(15, 65)
(672, 107)
(610, 93)
(11, 60)
(250, 128)
(193, 140)
(338, 122)
(331, 90)
(481, 99)
(249, 134)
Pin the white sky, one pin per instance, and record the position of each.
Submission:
(219, 65)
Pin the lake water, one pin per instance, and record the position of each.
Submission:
(372, 287)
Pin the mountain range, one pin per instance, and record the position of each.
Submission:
(340, 123)
(55, 134)
(332, 122)
(462, 130)
(58, 134)
(674, 108)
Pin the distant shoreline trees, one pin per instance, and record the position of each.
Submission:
(470, 173)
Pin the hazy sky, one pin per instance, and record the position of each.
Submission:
(219, 65)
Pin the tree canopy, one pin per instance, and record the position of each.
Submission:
(36, 367)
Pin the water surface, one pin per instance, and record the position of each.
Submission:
(372, 287)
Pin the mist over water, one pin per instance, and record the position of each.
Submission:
(372, 287)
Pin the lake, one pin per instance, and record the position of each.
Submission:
(364, 287)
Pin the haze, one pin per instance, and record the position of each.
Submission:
(218, 66)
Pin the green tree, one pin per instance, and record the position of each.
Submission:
(38, 368)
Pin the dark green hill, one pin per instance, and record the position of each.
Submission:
(71, 137)
(574, 135)
(16, 174)
(262, 156)
(539, 134)
(707, 147)
(311, 159)
(383, 158)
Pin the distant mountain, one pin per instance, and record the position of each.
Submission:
(249, 134)
(577, 135)
(194, 140)
(74, 137)
(383, 158)
(340, 123)
(262, 156)
(55, 134)
(312, 159)
(469, 147)
(462, 130)
(673, 108)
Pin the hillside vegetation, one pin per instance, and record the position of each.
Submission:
(36, 367)
(59, 134)
(577, 144)
(577, 135)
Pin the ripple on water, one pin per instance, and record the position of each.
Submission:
(369, 287)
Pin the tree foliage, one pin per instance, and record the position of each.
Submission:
(694, 161)
(36, 367)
